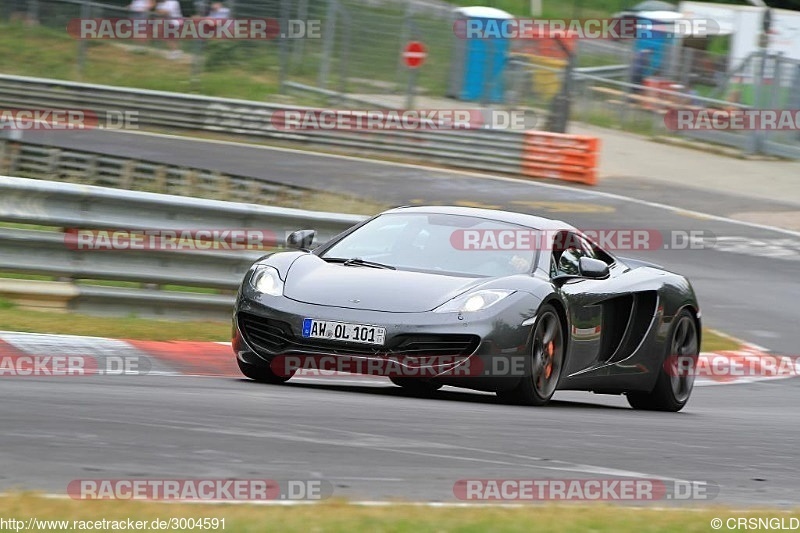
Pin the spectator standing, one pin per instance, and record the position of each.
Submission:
(26, 11)
(171, 11)
(219, 11)
(140, 9)
(200, 9)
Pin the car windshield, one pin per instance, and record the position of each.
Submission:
(453, 244)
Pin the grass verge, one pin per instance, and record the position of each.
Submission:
(50, 52)
(714, 342)
(15, 319)
(338, 516)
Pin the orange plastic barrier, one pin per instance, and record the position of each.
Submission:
(560, 156)
(651, 90)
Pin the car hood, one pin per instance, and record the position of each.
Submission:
(312, 280)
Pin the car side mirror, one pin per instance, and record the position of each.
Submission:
(593, 268)
(301, 239)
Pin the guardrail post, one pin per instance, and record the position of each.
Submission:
(90, 172)
(126, 174)
(160, 179)
(224, 186)
(254, 191)
(4, 163)
(14, 150)
(189, 182)
(53, 158)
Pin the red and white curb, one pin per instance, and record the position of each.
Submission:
(161, 358)
(748, 364)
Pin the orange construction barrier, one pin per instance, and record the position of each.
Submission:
(560, 156)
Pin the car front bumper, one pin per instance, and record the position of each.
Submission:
(500, 336)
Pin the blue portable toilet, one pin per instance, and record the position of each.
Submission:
(478, 64)
(656, 36)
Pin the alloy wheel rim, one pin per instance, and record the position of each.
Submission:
(548, 354)
(683, 345)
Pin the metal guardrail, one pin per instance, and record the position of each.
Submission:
(65, 205)
(490, 150)
(92, 168)
(605, 71)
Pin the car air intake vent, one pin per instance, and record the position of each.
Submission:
(431, 344)
(265, 334)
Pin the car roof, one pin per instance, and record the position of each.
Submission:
(522, 219)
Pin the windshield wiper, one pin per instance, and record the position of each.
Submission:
(357, 261)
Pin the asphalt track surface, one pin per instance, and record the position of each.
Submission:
(377, 442)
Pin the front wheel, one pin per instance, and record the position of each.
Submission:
(676, 378)
(262, 373)
(543, 367)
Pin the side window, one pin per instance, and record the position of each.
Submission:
(568, 248)
(586, 248)
(602, 255)
(595, 252)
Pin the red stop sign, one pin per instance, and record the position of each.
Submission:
(414, 54)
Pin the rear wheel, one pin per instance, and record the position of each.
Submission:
(416, 385)
(262, 373)
(676, 378)
(543, 367)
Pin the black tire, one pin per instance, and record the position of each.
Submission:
(543, 367)
(674, 388)
(262, 373)
(416, 385)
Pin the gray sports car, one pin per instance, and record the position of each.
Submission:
(488, 300)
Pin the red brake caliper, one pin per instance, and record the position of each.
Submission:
(548, 369)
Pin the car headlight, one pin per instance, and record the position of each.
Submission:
(265, 279)
(473, 301)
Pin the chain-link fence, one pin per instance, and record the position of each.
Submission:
(360, 53)
(43, 25)
(762, 82)
(357, 58)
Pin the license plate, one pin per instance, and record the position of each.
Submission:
(343, 331)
